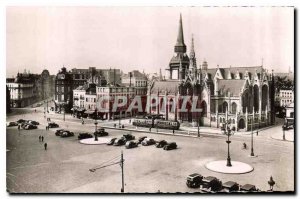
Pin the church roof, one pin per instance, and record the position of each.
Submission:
(176, 59)
(169, 86)
(233, 86)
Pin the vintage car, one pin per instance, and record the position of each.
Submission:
(59, 132)
(140, 140)
(66, 134)
(128, 137)
(32, 122)
(120, 141)
(111, 141)
(29, 126)
(9, 124)
(230, 186)
(170, 146)
(210, 184)
(53, 125)
(161, 143)
(101, 132)
(20, 121)
(84, 136)
(248, 188)
(194, 180)
(131, 144)
(148, 142)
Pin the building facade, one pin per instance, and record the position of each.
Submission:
(241, 96)
(23, 89)
(136, 79)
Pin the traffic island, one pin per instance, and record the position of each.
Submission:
(92, 141)
(236, 168)
(289, 136)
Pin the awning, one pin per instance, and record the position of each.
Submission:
(89, 111)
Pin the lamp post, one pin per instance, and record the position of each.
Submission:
(228, 133)
(96, 123)
(252, 151)
(283, 132)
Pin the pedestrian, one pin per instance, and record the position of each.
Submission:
(35, 110)
(173, 131)
(257, 133)
(46, 128)
(45, 146)
(39, 138)
(19, 127)
(42, 138)
(150, 129)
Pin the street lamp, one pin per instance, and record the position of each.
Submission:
(199, 127)
(228, 133)
(283, 131)
(96, 123)
(252, 151)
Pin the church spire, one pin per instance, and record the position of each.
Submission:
(180, 47)
(192, 53)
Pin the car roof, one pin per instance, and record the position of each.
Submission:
(209, 178)
(247, 186)
(229, 184)
(194, 175)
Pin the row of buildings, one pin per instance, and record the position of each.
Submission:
(26, 88)
(243, 97)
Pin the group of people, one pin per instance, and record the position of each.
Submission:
(41, 139)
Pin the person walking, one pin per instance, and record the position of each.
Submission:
(45, 146)
(257, 133)
(42, 138)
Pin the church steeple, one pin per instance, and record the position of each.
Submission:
(180, 47)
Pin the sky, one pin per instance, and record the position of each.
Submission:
(143, 38)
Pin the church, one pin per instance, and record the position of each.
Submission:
(240, 96)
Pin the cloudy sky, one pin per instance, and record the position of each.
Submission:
(143, 38)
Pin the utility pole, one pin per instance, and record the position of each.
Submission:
(122, 168)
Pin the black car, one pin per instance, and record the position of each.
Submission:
(59, 132)
(161, 143)
(248, 188)
(140, 140)
(194, 180)
(33, 122)
(210, 184)
(148, 142)
(111, 142)
(131, 144)
(120, 141)
(29, 126)
(9, 124)
(20, 121)
(100, 132)
(84, 136)
(128, 137)
(170, 146)
(66, 134)
(53, 125)
(230, 186)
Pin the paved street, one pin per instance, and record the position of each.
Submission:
(64, 167)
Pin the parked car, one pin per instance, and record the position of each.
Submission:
(230, 186)
(248, 188)
(131, 144)
(53, 125)
(148, 141)
(141, 139)
(23, 124)
(111, 142)
(120, 141)
(59, 132)
(30, 126)
(9, 124)
(170, 146)
(128, 137)
(66, 134)
(84, 136)
(101, 132)
(161, 143)
(21, 121)
(32, 122)
(194, 180)
(210, 184)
